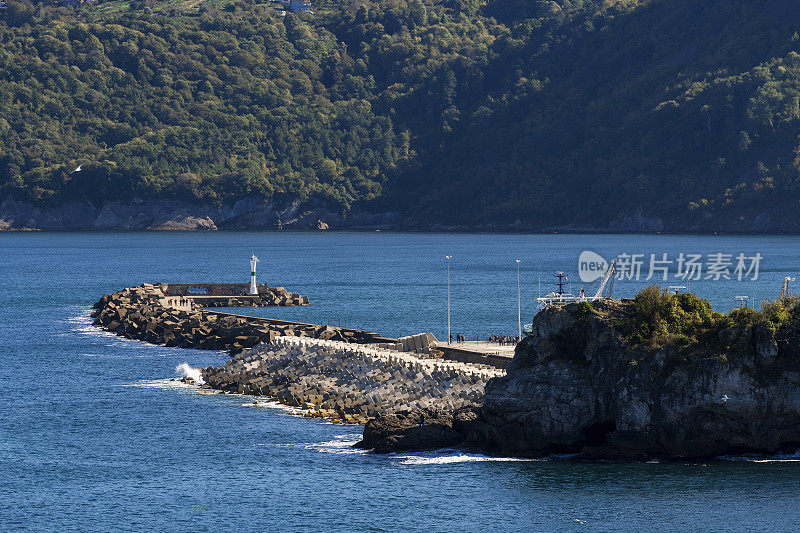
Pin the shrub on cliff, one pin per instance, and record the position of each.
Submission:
(656, 317)
(583, 310)
(774, 314)
(781, 311)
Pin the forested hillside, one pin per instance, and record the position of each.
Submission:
(649, 114)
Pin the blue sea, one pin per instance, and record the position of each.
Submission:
(94, 435)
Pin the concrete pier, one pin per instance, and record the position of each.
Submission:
(343, 374)
(172, 314)
(482, 352)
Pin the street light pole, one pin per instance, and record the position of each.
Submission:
(448, 257)
(519, 306)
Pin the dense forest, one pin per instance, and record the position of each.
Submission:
(457, 112)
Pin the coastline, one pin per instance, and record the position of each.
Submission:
(97, 416)
(312, 215)
(576, 384)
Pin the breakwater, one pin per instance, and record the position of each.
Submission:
(233, 294)
(345, 375)
(347, 382)
(150, 313)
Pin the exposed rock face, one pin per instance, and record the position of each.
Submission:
(421, 429)
(313, 214)
(185, 223)
(637, 221)
(574, 386)
(248, 213)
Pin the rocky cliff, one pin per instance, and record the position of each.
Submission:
(579, 384)
(174, 215)
(660, 375)
(314, 214)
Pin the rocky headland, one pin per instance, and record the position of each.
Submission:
(658, 376)
(314, 214)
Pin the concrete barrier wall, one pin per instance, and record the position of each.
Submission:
(211, 289)
(420, 343)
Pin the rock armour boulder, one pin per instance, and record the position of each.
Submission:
(349, 382)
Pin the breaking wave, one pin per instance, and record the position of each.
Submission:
(189, 372)
(777, 458)
(446, 457)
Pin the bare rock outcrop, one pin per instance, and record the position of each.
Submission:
(176, 215)
(575, 385)
(430, 428)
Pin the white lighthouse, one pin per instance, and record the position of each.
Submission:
(253, 287)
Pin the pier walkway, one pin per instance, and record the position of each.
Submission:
(480, 352)
(375, 338)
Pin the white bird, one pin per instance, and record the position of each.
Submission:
(78, 169)
(725, 398)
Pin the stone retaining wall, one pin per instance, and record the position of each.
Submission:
(348, 382)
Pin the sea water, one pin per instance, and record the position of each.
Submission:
(94, 434)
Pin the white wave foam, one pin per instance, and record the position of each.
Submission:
(341, 445)
(263, 402)
(441, 459)
(89, 330)
(777, 458)
(193, 373)
(82, 324)
(165, 384)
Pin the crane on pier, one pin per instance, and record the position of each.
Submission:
(560, 297)
(608, 276)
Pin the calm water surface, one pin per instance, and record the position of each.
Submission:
(94, 436)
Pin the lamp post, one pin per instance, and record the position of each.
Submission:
(448, 257)
(519, 306)
(253, 286)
